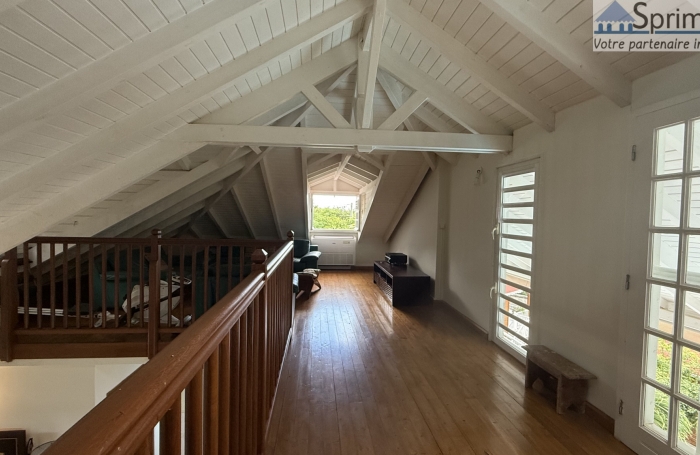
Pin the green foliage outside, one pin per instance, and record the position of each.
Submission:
(690, 387)
(334, 218)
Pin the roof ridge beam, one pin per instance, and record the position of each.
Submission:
(554, 40)
(479, 68)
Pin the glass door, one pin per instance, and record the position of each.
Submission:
(661, 398)
(515, 255)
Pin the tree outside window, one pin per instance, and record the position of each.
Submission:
(336, 212)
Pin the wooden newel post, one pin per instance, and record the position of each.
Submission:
(290, 236)
(9, 302)
(259, 259)
(154, 294)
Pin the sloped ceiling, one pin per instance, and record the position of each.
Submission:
(95, 95)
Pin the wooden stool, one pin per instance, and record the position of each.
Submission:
(572, 380)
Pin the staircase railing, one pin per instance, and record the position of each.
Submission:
(221, 373)
(81, 297)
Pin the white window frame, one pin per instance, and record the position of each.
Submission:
(333, 193)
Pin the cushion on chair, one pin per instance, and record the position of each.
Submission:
(301, 247)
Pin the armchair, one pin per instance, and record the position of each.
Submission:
(305, 255)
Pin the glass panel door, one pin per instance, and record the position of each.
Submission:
(515, 255)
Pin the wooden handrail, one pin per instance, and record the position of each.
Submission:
(240, 342)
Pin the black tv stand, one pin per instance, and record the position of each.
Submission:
(402, 284)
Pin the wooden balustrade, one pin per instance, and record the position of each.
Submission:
(81, 297)
(222, 373)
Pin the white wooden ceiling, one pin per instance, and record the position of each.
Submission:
(89, 89)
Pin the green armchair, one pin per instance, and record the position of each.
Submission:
(305, 255)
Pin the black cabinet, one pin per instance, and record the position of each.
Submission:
(402, 284)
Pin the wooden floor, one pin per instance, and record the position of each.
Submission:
(362, 377)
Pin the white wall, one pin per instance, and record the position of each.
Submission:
(46, 397)
(417, 233)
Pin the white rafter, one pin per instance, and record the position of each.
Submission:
(554, 40)
(164, 107)
(103, 74)
(341, 166)
(271, 196)
(325, 107)
(277, 136)
(440, 96)
(404, 111)
(368, 61)
(479, 68)
(244, 215)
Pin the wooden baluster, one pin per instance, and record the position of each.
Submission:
(259, 259)
(250, 381)
(218, 273)
(193, 416)
(182, 286)
(9, 297)
(170, 285)
(91, 284)
(170, 429)
(25, 272)
(211, 442)
(117, 279)
(65, 285)
(242, 264)
(235, 413)
(225, 396)
(39, 284)
(78, 290)
(229, 267)
(243, 386)
(52, 283)
(205, 281)
(103, 251)
(142, 285)
(129, 284)
(194, 282)
(154, 295)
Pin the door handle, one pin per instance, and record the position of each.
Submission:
(494, 232)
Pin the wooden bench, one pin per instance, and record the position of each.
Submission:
(572, 380)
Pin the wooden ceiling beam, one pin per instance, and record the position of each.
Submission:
(368, 62)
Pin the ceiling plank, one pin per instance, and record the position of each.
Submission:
(216, 222)
(404, 111)
(103, 74)
(440, 96)
(278, 136)
(341, 166)
(408, 197)
(462, 56)
(369, 61)
(325, 107)
(164, 107)
(554, 40)
(164, 221)
(371, 160)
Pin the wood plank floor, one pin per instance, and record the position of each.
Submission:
(364, 378)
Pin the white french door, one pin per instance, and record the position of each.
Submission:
(516, 213)
(661, 384)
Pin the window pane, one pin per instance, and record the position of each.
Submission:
(335, 211)
(690, 373)
(694, 212)
(515, 181)
(691, 317)
(664, 256)
(655, 412)
(517, 278)
(522, 246)
(518, 213)
(516, 261)
(511, 339)
(687, 428)
(692, 275)
(659, 360)
(519, 197)
(514, 293)
(517, 229)
(696, 145)
(662, 308)
(669, 149)
(667, 203)
(515, 309)
(514, 325)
